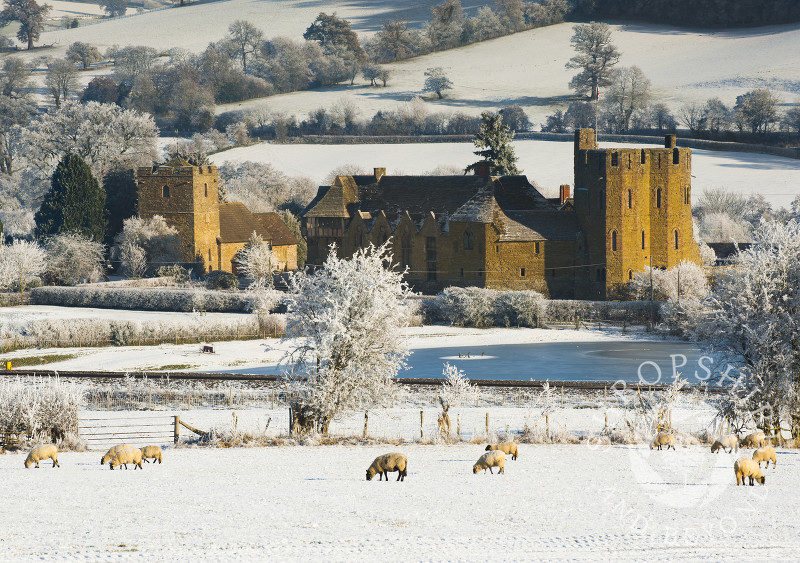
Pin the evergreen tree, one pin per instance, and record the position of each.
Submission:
(122, 199)
(494, 140)
(75, 202)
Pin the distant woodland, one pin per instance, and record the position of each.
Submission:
(696, 13)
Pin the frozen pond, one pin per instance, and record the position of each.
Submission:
(567, 361)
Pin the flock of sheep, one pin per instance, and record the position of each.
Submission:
(122, 454)
(495, 456)
(744, 467)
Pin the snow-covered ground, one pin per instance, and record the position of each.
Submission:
(556, 502)
(548, 163)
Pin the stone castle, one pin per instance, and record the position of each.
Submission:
(209, 231)
(631, 209)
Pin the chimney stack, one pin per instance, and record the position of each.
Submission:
(670, 141)
(483, 168)
(563, 193)
(379, 173)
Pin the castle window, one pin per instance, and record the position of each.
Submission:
(675, 233)
(676, 156)
(644, 157)
(430, 257)
(686, 196)
(536, 247)
(629, 161)
(630, 199)
(468, 240)
(630, 275)
(642, 240)
(522, 272)
(205, 187)
(613, 241)
(659, 160)
(614, 159)
(658, 198)
(497, 248)
(165, 191)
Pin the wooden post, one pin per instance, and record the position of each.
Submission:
(458, 426)
(421, 421)
(487, 424)
(562, 396)
(273, 398)
(547, 425)
(177, 430)
(366, 421)
(577, 322)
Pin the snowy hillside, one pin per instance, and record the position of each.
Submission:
(548, 164)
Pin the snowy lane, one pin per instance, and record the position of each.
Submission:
(312, 503)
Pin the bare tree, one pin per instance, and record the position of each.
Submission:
(692, 116)
(596, 58)
(245, 39)
(61, 79)
(629, 93)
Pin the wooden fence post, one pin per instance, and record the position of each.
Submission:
(458, 426)
(421, 420)
(177, 430)
(487, 424)
(366, 421)
(547, 425)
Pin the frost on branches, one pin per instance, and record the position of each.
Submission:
(686, 280)
(347, 319)
(257, 262)
(753, 321)
(455, 391)
(21, 263)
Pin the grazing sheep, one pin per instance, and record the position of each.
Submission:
(754, 440)
(41, 453)
(767, 453)
(663, 439)
(126, 456)
(746, 467)
(153, 452)
(112, 452)
(385, 463)
(508, 448)
(490, 459)
(730, 441)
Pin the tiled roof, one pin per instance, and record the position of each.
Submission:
(538, 225)
(237, 223)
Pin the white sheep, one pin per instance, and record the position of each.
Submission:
(112, 452)
(767, 453)
(126, 456)
(508, 448)
(729, 441)
(746, 467)
(494, 458)
(663, 439)
(385, 463)
(151, 452)
(754, 440)
(41, 453)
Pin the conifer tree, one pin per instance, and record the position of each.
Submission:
(494, 140)
(75, 202)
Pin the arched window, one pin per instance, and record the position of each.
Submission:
(642, 240)
(205, 187)
(630, 275)
(468, 240)
(165, 191)
(630, 199)
(658, 198)
(675, 232)
(613, 241)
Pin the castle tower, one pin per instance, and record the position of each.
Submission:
(635, 207)
(187, 197)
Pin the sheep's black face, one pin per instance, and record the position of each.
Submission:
(488, 448)
(762, 480)
(370, 475)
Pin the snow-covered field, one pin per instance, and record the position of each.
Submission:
(548, 163)
(555, 502)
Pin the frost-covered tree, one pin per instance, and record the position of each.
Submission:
(494, 141)
(596, 58)
(75, 203)
(446, 25)
(629, 94)
(61, 79)
(257, 262)
(83, 53)
(132, 260)
(686, 280)
(106, 136)
(245, 40)
(73, 259)
(436, 81)
(347, 319)
(114, 8)
(752, 320)
(756, 110)
(262, 188)
(456, 390)
(21, 263)
(154, 236)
